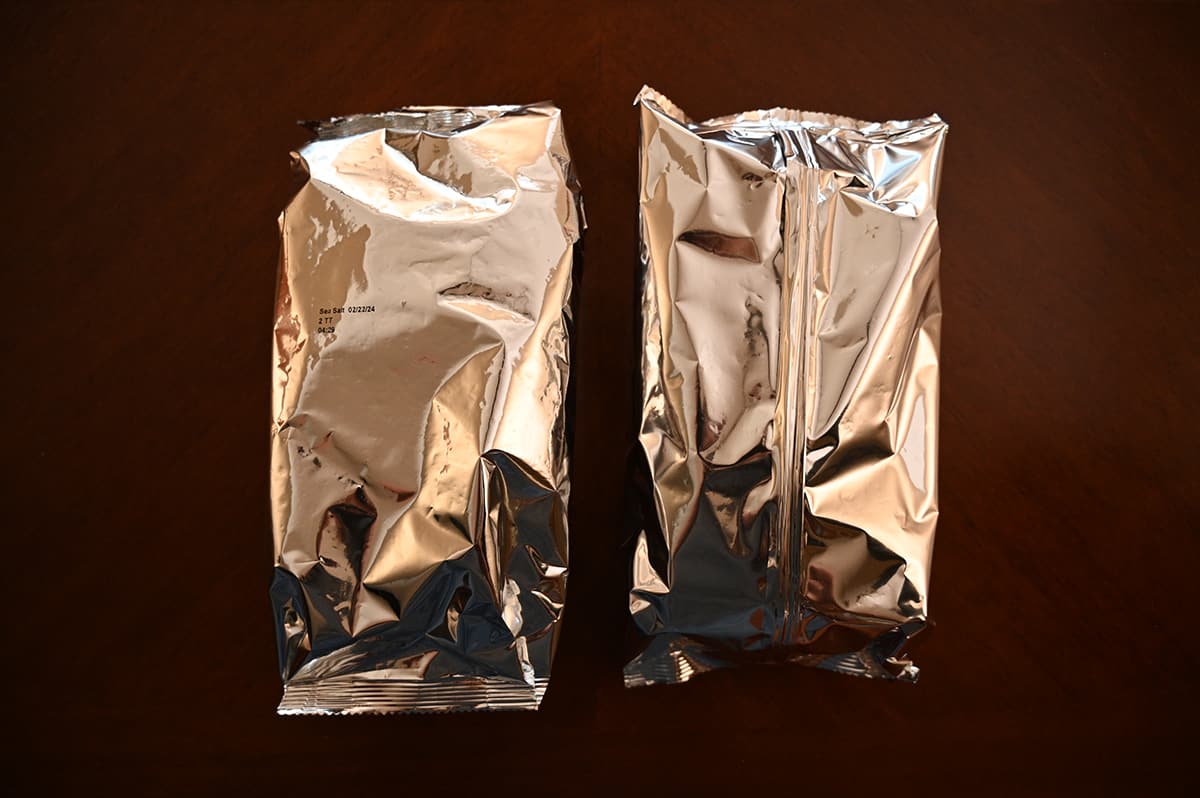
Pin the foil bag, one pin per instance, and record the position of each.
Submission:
(419, 464)
(788, 430)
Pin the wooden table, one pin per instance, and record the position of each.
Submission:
(146, 159)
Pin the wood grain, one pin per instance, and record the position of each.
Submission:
(146, 159)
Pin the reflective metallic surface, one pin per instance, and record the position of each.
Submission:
(419, 470)
(791, 323)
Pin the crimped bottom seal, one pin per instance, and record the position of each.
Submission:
(353, 695)
(674, 659)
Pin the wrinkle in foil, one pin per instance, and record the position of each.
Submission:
(419, 466)
(788, 435)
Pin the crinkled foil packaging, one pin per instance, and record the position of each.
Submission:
(788, 431)
(419, 414)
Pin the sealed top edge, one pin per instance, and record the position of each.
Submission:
(438, 119)
(784, 118)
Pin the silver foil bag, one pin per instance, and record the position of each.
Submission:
(788, 431)
(419, 465)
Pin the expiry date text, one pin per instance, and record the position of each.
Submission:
(330, 316)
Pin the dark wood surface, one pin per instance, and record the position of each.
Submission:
(145, 162)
